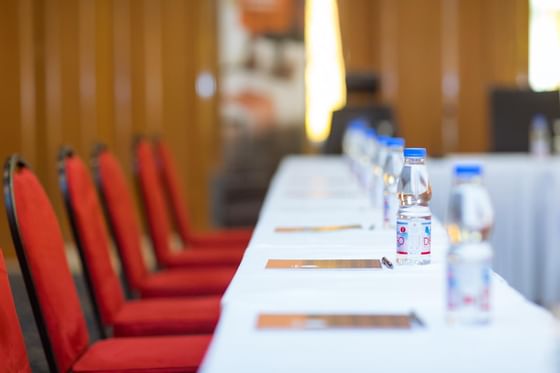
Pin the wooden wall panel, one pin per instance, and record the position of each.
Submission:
(487, 40)
(79, 72)
(360, 32)
(413, 80)
(10, 114)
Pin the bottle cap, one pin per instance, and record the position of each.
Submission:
(472, 169)
(370, 133)
(415, 152)
(395, 142)
(358, 123)
(382, 139)
(539, 121)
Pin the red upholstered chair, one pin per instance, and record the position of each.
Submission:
(179, 210)
(123, 225)
(13, 357)
(127, 318)
(40, 247)
(157, 215)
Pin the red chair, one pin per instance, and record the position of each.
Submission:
(60, 320)
(156, 214)
(123, 225)
(127, 318)
(13, 357)
(177, 205)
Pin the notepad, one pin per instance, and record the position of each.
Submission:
(323, 264)
(333, 321)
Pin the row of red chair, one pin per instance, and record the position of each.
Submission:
(168, 326)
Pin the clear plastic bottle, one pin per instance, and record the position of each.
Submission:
(391, 173)
(414, 218)
(469, 260)
(539, 137)
(556, 136)
(377, 162)
(370, 147)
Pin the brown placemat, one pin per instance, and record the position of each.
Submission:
(333, 321)
(323, 264)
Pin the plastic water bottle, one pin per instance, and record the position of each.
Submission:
(539, 136)
(556, 136)
(391, 173)
(469, 260)
(377, 162)
(414, 218)
(370, 147)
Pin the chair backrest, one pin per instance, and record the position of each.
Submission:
(171, 184)
(155, 210)
(13, 357)
(119, 207)
(511, 113)
(40, 249)
(90, 234)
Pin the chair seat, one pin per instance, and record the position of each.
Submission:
(140, 355)
(167, 317)
(181, 283)
(189, 258)
(231, 238)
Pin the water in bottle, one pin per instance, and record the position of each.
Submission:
(469, 260)
(391, 173)
(539, 137)
(378, 161)
(414, 218)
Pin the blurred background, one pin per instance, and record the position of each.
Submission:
(234, 85)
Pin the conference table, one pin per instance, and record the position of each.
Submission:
(313, 191)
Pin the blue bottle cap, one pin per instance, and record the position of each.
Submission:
(370, 133)
(539, 121)
(382, 139)
(395, 142)
(415, 152)
(358, 123)
(472, 169)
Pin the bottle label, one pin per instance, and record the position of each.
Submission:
(414, 237)
(468, 286)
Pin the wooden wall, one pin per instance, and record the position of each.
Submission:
(79, 72)
(437, 60)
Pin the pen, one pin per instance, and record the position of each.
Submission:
(387, 262)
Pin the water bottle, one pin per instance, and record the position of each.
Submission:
(556, 136)
(469, 259)
(414, 218)
(370, 147)
(377, 162)
(539, 137)
(391, 173)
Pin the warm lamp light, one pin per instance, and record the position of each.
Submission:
(544, 45)
(325, 86)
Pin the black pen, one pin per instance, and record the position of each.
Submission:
(387, 262)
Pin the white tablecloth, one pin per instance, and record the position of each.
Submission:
(525, 192)
(320, 190)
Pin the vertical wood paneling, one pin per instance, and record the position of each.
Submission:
(412, 79)
(122, 61)
(88, 73)
(10, 113)
(359, 28)
(153, 65)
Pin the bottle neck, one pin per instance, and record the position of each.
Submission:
(460, 180)
(414, 161)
